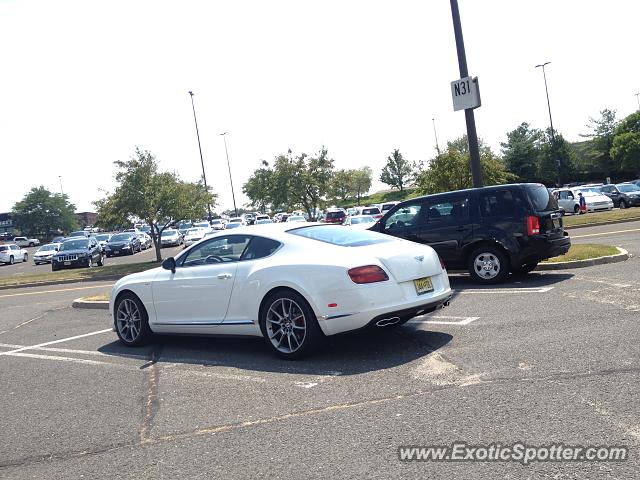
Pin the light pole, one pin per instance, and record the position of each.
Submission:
(204, 177)
(233, 195)
(553, 137)
(472, 135)
(61, 191)
(638, 98)
(435, 134)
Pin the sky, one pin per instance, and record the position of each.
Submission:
(85, 82)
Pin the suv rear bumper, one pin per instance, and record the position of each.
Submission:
(541, 247)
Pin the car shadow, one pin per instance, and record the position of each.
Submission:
(345, 354)
(461, 282)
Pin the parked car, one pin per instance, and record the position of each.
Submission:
(335, 216)
(26, 242)
(170, 238)
(78, 252)
(194, 235)
(183, 227)
(217, 224)
(79, 233)
(262, 221)
(122, 243)
(373, 211)
(232, 225)
(11, 253)
(58, 239)
(623, 195)
(45, 253)
(359, 221)
(145, 240)
(103, 239)
(385, 207)
(266, 284)
(488, 231)
(569, 200)
(296, 218)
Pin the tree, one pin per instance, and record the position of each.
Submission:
(451, 170)
(259, 187)
(42, 214)
(625, 149)
(603, 130)
(552, 151)
(521, 152)
(158, 198)
(342, 184)
(362, 179)
(397, 171)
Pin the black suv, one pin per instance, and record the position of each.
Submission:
(488, 231)
(77, 252)
(623, 194)
(125, 243)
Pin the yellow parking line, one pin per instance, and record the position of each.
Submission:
(605, 233)
(55, 291)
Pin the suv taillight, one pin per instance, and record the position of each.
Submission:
(368, 274)
(533, 225)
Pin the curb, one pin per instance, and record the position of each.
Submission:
(620, 257)
(90, 304)
(586, 225)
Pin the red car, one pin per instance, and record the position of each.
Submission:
(335, 216)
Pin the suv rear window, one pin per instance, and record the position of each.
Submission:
(540, 198)
(371, 211)
(336, 214)
(339, 235)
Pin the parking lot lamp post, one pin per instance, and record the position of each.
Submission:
(553, 138)
(61, 191)
(204, 176)
(224, 136)
(638, 99)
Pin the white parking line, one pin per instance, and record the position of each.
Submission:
(440, 320)
(60, 359)
(506, 290)
(605, 233)
(11, 352)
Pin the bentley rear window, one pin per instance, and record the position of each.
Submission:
(339, 235)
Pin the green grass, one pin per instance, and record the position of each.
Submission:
(380, 197)
(78, 273)
(104, 297)
(584, 252)
(597, 218)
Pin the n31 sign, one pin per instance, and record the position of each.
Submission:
(465, 93)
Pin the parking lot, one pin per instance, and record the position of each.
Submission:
(29, 268)
(553, 356)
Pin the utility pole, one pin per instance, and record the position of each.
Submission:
(638, 98)
(204, 176)
(556, 161)
(472, 135)
(435, 134)
(61, 191)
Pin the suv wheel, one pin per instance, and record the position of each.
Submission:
(576, 209)
(488, 265)
(623, 204)
(101, 260)
(25, 258)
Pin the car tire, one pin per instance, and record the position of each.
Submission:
(31, 244)
(131, 320)
(90, 262)
(576, 209)
(101, 261)
(526, 268)
(488, 265)
(11, 260)
(623, 204)
(25, 258)
(54, 268)
(36, 263)
(289, 325)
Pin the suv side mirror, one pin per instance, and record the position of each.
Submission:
(170, 264)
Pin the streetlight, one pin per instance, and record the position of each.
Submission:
(553, 138)
(233, 195)
(61, 191)
(204, 177)
(435, 134)
(638, 98)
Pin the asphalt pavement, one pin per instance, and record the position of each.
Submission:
(548, 357)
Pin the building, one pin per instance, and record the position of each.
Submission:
(86, 218)
(6, 223)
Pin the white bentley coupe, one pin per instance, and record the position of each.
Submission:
(290, 283)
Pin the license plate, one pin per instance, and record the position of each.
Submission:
(423, 285)
(67, 263)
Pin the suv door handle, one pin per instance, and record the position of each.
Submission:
(224, 276)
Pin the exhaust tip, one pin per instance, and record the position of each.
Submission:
(385, 322)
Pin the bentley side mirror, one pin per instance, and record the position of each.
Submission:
(169, 264)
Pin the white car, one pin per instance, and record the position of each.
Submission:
(261, 281)
(45, 253)
(569, 200)
(26, 242)
(194, 235)
(170, 238)
(145, 240)
(11, 253)
(360, 221)
(217, 224)
(296, 218)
